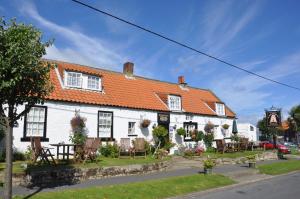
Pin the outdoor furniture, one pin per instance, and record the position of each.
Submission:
(39, 151)
(139, 146)
(66, 150)
(243, 146)
(91, 147)
(221, 145)
(125, 147)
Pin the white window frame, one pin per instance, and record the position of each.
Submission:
(220, 109)
(67, 74)
(94, 82)
(174, 102)
(131, 128)
(189, 117)
(36, 122)
(105, 124)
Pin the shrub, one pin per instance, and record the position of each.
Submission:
(168, 145)
(208, 140)
(209, 163)
(199, 150)
(78, 129)
(28, 153)
(188, 152)
(160, 133)
(235, 138)
(181, 131)
(161, 153)
(197, 135)
(225, 126)
(251, 158)
(109, 150)
(17, 155)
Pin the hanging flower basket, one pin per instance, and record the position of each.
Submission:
(145, 123)
(225, 126)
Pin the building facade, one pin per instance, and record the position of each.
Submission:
(115, 104)
(248, 130)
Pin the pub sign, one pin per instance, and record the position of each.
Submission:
(163, 118)
(273, 117)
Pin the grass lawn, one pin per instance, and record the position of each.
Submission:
(102, 162)
(231, 155)
(144, 190)
(280, 167)
(295, 151)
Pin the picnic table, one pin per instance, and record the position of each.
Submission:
(65, 150)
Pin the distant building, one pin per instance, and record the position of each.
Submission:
(248, 130)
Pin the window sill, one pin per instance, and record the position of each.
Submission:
(132, 135)
(27, 139)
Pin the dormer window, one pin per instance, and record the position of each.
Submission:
(220, 109)
(93, 83)
(81, 80)
(174, 103)
(74, 79)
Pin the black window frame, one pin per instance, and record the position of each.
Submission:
(111, 138)
(44, 138)
(184, 126)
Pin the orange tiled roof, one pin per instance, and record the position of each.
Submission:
(285, 125)
(138, 93)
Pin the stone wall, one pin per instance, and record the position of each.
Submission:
(67, 176)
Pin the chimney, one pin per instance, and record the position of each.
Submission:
(128, 68)
(181, 80)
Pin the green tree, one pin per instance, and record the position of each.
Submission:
(24, 79)
(161, 133)
(268, 132)
(294, 118)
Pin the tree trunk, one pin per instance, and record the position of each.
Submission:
(275, 141)
(8, 171)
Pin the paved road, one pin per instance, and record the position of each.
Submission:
(287, 187)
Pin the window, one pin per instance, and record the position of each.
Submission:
(251, 128)
(35, 123)
(105, 124)
(189, 117)
(131, 128)
(220, 109)
(93, 83)
(189, 127)
(73, 79)
(174, 103)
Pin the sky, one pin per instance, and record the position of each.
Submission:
(260, 36)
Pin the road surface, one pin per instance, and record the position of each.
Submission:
(280, 187)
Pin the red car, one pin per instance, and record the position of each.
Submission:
(283, 149)
(266, 145)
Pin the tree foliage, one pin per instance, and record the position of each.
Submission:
(266, 131)
(24, 78)
(294, 119)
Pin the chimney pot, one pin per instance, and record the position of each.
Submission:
(181, 80)
(128, 68)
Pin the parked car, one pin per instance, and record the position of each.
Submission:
(290, 145)
(283, 149)
(266, 145)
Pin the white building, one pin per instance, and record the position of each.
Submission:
(248, 130)
(115, 104)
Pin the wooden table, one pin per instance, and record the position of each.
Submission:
(66, 150)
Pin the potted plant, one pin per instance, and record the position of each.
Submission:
(225, 126)
(251, 161)
(145, 123)
(180, 131)
(209, 164)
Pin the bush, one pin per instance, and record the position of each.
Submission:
(225, 126)
(197, 135)
(168, 145)
(208, 140)
(28, 153)
(181, 131)
(78, 129)
(160, 133)
(161, 153)
(188, 152)
(17, 155)
(209, 163)
(109, 150)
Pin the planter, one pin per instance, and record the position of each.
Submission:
(207, 170)
(252, 165)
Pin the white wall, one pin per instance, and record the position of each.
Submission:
(60, 114)
(245, 131)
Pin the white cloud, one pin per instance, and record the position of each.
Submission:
(82, 48)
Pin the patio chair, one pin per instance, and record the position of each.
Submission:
(243, 144)
(90, 148)
(139, 147)
(221, 146)
(39, 151)
(125, 147)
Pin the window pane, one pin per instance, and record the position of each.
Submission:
(105, 124)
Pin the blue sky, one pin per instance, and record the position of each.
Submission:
(262, 36)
